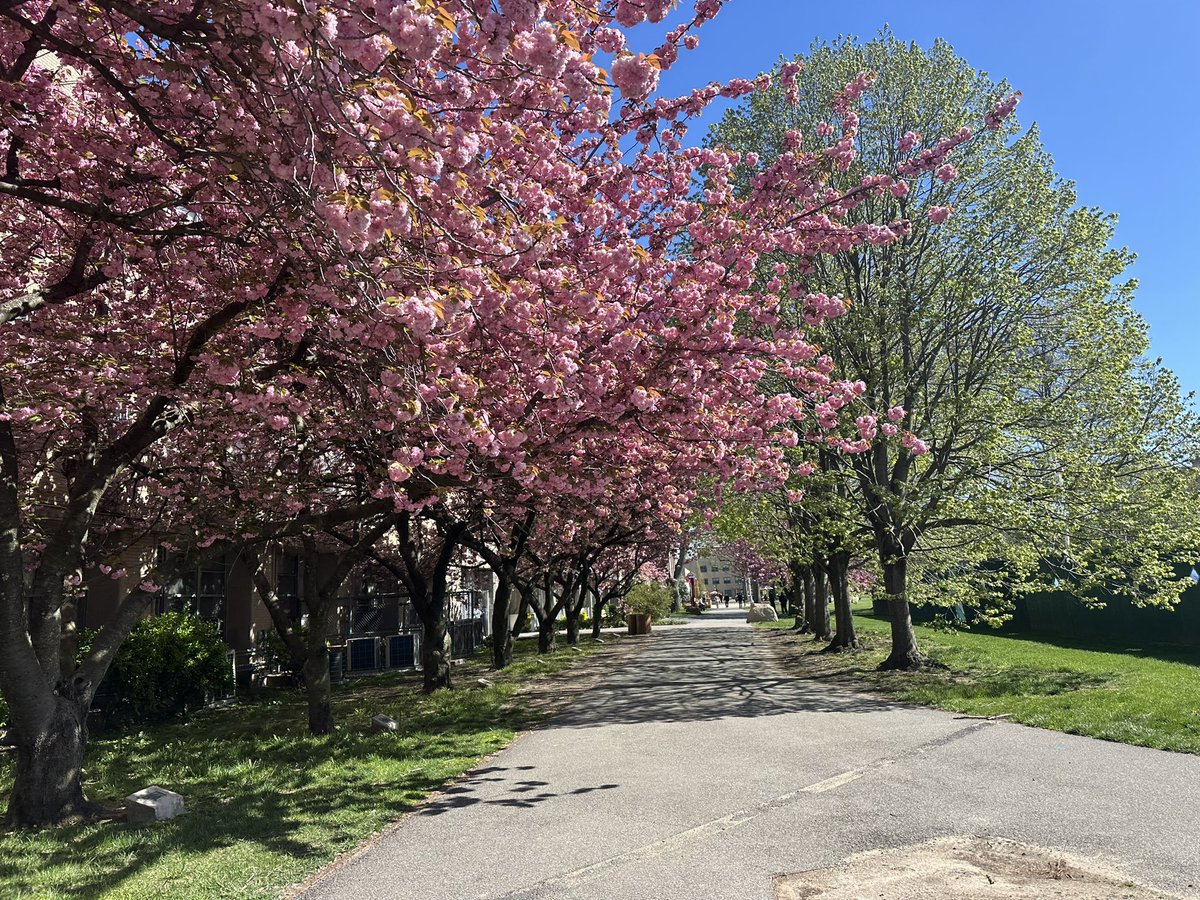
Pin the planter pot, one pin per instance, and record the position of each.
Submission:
(639, 623)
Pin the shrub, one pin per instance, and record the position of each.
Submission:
(651, 597)
(279, 657)
(612, 617)
(170, 665)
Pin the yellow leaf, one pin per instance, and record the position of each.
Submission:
(568, 37)
(443, 18)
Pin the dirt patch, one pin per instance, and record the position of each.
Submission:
(798, 654)
(965, 868)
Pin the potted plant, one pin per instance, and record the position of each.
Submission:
(644, 601)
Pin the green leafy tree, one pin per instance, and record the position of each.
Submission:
(1002, 325)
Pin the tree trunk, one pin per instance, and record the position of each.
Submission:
(522, 612)
(599, 615)
(797, 610)
(845, 637)
(502, 644)
(810, 600)
(820, 626)
(437, 650)
(573, 625)
(502, 638)
(799, 589)
(49, 724)
(317, 689)
(677, 577)
(546, 633)
(48, 784)
(320, 598)
(905, 654)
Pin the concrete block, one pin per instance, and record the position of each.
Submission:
(383, 723)
(153, 804)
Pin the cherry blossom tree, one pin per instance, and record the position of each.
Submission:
(423, 251)
(209, 207)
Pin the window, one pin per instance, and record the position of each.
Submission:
(704, 568)
(287, 584)
(200, 590)
(380, 607)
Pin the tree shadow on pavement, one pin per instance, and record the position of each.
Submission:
(708, 674)
(501, 786)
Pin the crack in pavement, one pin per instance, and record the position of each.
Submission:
(728, 822)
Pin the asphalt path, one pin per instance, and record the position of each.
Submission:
(701, 769)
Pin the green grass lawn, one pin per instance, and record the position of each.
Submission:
(268, 804)
(1149, 696)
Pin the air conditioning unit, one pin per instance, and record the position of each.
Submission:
(362, 654)
(402, 651)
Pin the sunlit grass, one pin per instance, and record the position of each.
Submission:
(1149, 696)
(268, 804)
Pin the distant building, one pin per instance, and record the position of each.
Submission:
(717, 573)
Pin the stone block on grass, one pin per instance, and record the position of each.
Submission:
(382, 723)
(761, 612)
(153, 804)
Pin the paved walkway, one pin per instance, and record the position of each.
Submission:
(701, 770)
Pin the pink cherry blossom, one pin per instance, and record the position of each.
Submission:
(634, 76)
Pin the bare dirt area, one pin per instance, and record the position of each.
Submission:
(965, 868)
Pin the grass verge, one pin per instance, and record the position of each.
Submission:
(268, 803)
(1148, 696)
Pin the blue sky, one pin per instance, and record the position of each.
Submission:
(1109, 84)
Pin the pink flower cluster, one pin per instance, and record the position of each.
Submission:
(635, 76)
(938, 214)
(1001, 111)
